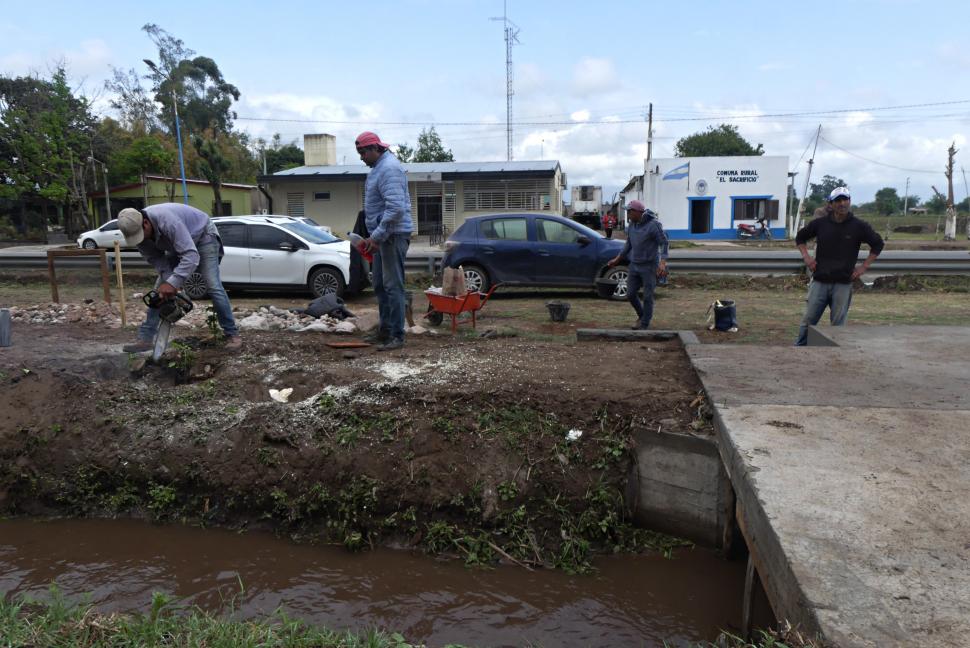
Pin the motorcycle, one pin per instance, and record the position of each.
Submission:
(759, 231)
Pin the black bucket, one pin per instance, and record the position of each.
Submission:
(558, 310)
(605, 288)
(725, 315)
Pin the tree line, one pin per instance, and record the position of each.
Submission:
(54, 149)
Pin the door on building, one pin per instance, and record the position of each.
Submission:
(701, 212)
(429, 215)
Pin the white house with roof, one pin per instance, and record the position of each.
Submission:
(443, 194)
(707, 197)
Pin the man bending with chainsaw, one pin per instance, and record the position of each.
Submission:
(177, 240)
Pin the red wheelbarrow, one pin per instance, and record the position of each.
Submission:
(440, 305)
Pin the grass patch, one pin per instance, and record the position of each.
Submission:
(59, 622)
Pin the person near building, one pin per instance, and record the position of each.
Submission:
(645, 252)
(178, 240)
(387, 213)
(609, 223)
(838, 237)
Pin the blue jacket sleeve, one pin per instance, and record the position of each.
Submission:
(393, 185)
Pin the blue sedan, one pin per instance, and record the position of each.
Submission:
(532, 250)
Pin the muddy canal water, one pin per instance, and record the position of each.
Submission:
(629, 601)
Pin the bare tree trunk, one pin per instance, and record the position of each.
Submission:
(217, 194)
(950, 232)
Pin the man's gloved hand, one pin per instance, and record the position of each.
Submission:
(167, 290)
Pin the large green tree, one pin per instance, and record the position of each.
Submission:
(47, 135)
(717, 141)
(280, 156)
(887, 201)
(429, 149)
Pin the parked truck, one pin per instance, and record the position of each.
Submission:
(587, 204)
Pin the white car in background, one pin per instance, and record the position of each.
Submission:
(310, 221)
(277, 252)
(103, 237)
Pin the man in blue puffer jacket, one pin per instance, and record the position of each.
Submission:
(387, 212)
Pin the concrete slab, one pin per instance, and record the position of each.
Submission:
(850, 464)
(874, 366)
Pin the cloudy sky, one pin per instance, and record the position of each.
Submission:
(886, 80)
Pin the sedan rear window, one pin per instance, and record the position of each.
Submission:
(508, 229)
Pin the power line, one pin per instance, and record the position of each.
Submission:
(811, 113)
(891, 166)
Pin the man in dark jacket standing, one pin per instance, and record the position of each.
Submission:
(839, 236)
(646, 253)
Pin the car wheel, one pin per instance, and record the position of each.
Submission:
(619, 275)
(195, 286)
(326, 280)
(476, 279)
(89, 244)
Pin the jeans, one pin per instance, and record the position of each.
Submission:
(209, 269)
(388, 268)
(641, 277)
(837, 296)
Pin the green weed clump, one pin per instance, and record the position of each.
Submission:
(57, 621)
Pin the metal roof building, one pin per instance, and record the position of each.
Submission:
(443, 194)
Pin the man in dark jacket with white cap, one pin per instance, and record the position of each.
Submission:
(646, 254)
(177, 240)
(839, 235)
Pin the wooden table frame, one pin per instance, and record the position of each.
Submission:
(105, 277)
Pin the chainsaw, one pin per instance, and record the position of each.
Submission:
(169, 312)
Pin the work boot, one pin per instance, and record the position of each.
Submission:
(390, 345)
(233, 342)
(140, 346)
(639, 327)
(377, 336)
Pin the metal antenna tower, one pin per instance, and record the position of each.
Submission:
(511, 38)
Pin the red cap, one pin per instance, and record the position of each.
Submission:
(636, 205)
(368, 138)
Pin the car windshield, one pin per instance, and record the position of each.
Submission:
(308, 232)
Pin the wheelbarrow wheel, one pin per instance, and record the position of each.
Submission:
(435, 318)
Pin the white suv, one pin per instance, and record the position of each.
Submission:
(267, 252)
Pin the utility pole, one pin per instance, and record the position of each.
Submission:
(107, 196)
(808, 177)
(511, 38)
(968, 199)
(178, 136)
(791, 197)
(650, 133)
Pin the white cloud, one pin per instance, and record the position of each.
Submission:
(90, 58)
(774, 66)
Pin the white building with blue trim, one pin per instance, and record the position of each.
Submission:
(707, 197)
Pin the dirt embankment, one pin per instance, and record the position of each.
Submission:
(457, 445)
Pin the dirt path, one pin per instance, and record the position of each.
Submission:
(458, 445)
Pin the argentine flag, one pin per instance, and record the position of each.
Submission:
(680, 172)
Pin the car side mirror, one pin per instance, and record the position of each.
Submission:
(583, 240)
(287, 246)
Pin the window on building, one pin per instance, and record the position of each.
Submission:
(226, 208)
(755, 209)
(294, 205)
(497, 195)
(321, 195)
(505, 229)
(552, 231)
